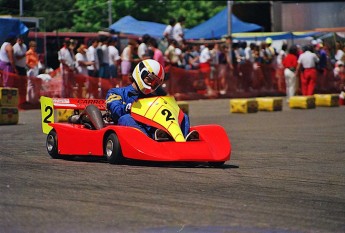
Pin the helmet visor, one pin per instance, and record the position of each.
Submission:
(152, 80)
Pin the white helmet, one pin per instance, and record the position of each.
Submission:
(148, 75)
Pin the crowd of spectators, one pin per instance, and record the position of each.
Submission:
(225, 65)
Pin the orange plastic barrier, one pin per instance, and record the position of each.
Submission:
(185, 81)
(245, 78)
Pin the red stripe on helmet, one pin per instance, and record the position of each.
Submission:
(160, 70)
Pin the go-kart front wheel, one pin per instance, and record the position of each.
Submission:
(52, 145)
(112, 149)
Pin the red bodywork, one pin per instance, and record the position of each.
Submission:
(214, 145)
(76, 140)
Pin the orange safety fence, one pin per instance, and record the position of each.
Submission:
(251, 78)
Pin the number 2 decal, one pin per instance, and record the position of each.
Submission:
(48, 109)
(168, 113)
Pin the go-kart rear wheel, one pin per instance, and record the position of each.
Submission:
(52, 145)
(112, 149)
(216, 164)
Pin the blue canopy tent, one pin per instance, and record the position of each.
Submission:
(217, 26)
(130, 25)
(10, 27)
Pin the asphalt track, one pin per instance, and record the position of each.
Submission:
(286, 174)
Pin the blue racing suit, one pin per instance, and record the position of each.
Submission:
(117, 100)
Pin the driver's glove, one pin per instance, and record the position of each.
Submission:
(128, 107)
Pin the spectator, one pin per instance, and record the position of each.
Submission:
(93, 69)
(214, 65)
(19, 50)
(157, 54)
(280, 67)
(173, 53)
(205, 68)
(249, 52)
(126, 61)
(82, 61)
(269, 55)
(235, 58)
(289, 63)
(196, 53)
(223, 67)
(177, 31)
(81, 65)
(7, 64)
(34, 83)
(339, 53)
(67, 65)
(307, 61)
(190, 61)
(245, 67)
(229, 42)
(168, 31)
(143, 47)
(322, 65)
(135, 57)
(103, 56)
(258, 76)
(114, 58)
(92, 57)
(339, 74)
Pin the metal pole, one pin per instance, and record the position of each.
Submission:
(110, 19)
(230, 28)
(229, 17)
(272, 16)
(20, 8)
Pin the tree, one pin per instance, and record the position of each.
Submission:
(92, 15)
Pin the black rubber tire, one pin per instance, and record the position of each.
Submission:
(112, 149)
(52, 145)
(216, 164)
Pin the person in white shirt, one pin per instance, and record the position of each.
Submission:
(307, 61)
(177, 31)
(67, 64)
(82, 61)
(168, 31)
(19, 50)
(7, 64)
(339, 53)
(93, 69)
(114, 58)
(143, 48)
(81, 66)
(92, 56)
(205, 67)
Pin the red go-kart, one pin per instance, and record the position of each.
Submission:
(95, 135)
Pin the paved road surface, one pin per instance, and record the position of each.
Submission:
(286, 174)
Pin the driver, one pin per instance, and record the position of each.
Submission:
(147, 76)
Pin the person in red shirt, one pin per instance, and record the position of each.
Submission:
(290, 64)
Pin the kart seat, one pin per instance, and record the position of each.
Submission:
(91, 118)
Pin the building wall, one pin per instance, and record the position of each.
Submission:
(311, 15)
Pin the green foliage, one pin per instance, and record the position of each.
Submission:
(92, 15)
(9, 7)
